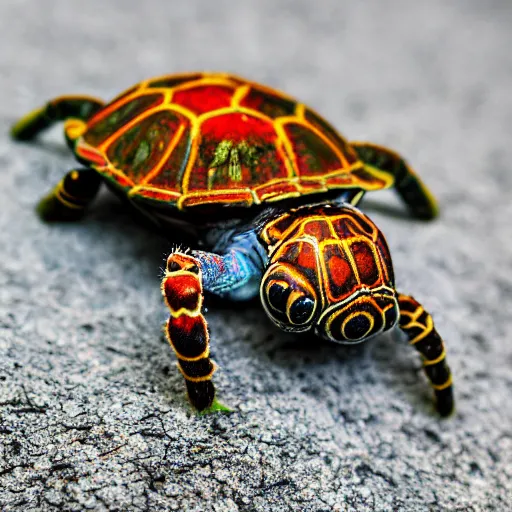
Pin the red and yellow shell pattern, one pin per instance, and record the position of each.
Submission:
(340, 260)
(206, 138)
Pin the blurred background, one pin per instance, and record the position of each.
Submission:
(92, 409)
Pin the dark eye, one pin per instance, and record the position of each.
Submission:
(194, 269)
(278, 295)
(357, 326)
(173, 266)
(301, 310)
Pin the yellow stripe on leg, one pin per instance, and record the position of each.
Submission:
(199, 379)
(447, 384)
(430, 362)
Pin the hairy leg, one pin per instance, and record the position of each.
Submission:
(186, 328)
(233, 275)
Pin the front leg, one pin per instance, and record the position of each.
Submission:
(419, 327)
(186, 328)
(72, 195)
(231, 275)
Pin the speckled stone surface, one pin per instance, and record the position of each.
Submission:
(92, 409)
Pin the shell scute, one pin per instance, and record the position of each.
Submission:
(269, 104)
(313, 155)
(117, 115)
(139, 151)
(170, 174)
(235, 151)
(277, 190)
(326, 129)
(213, 138)
(204, 98)
(234, 198)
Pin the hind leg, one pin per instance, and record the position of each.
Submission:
(408, 185)
(68, 200)
(58, 109)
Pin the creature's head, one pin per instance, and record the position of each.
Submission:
(329, 271)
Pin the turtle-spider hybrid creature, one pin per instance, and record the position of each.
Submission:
(270, 189)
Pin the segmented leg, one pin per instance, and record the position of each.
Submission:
(58, 109)
(408, 185)
(234, 274)
(68, 200)
(419, 327)
(186, 329)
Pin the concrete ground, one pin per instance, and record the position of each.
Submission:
(93, 413)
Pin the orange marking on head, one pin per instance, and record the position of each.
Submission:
(365, 259)
(340, 270)
(318, 227)
(307, 256)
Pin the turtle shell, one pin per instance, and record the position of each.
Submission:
(211, 138)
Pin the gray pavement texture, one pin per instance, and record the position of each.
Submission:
(93, 413)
